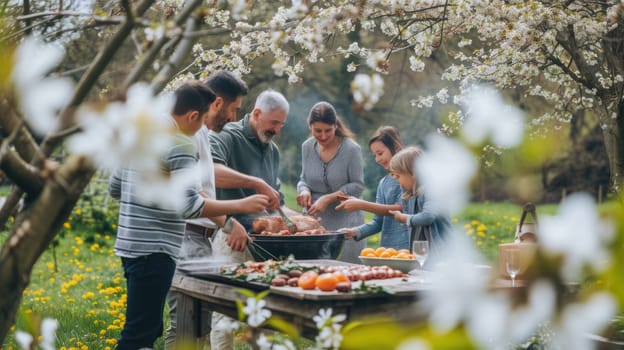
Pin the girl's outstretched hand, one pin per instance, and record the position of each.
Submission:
(349, 204)
(399, 216)
(348, 232)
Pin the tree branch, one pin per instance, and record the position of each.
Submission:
(182, 51)
(90, 77)
(153, 52)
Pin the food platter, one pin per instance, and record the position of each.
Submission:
(405, 265)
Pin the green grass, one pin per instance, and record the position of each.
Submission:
(85, 289)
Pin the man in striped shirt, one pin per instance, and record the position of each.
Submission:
(149, 235)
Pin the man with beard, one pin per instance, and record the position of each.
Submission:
(246, 162)
(229, 90)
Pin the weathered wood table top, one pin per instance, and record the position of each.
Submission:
(293, 304)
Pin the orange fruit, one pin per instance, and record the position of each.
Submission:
(379, 251)
(369, 254)
(386, 254)
(392, 251)
(307, 280)
(326, 282)
(367, 251)
(402, 255)
(340, 277)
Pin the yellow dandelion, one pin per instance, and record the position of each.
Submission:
(67, 225)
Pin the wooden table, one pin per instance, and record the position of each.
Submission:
(290, 303)
(218, 293)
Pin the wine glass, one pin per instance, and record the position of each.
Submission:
(420, 249)
(512, 264)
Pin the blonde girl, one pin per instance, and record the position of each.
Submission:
(424, 223)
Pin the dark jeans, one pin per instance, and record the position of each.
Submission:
(148, 279)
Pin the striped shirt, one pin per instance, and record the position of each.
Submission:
(146, 228)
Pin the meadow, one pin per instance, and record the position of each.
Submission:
(79, 282)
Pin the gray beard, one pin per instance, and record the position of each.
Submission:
(265, 137)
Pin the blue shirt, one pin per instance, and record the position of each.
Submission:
(393, 233)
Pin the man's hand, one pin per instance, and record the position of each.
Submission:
(254, 204)
(399, 216)
(350, 204)
(237, 238)
(273, 196)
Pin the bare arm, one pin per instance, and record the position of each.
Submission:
(249, 205)
(226, 177)
(352, 204)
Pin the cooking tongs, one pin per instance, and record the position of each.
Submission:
(292, 227)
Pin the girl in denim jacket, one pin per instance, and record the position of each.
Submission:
(424, 222)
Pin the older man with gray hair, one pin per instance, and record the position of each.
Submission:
(246, 163)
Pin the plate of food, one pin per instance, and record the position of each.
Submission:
(405, 265)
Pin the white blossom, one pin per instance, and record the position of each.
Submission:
(452, 296)
(151, 186)
(153, 34)
(256, 312)
(227, 325)
(577, 233)
(329, 337)
(23, 339)
(367, 89)
(580, 319)
(324, 318)
(237, 8)
(413, 344)
(377, 60)
(48, 333)
(489, 116)
(445, 171)
(135, 134)
(40, 97)
(416, 64)
(539, 309)
(48, 336)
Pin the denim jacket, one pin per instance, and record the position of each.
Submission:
(426, 222)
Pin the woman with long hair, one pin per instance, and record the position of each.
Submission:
(331, 170)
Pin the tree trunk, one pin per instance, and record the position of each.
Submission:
(34, 229)
(613, 132)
